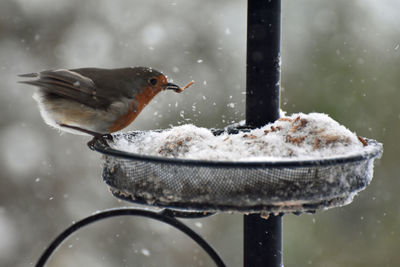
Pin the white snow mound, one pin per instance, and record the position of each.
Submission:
(296, 137)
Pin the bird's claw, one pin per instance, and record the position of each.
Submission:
(100, 138)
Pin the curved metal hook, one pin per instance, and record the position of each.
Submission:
(163, 216)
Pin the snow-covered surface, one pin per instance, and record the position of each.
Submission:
(299, 136)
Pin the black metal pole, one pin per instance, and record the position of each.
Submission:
(263, 61)
(262, 241)
(263, 237)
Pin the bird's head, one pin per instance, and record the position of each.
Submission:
(155, 80)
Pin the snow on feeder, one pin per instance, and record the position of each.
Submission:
(296, 164)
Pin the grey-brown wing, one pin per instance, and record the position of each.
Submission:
(68, 84)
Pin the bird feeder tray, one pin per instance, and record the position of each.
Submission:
(214, 186)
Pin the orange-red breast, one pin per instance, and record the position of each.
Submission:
(96, 101)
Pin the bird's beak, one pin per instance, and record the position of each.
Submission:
(171, 86)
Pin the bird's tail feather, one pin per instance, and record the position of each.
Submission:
(29, 75)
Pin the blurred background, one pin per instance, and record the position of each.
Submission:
(339, 57)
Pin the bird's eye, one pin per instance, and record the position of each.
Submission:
(153, 81)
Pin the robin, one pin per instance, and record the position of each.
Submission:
(96, 101)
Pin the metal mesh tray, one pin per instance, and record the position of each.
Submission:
(210, 186)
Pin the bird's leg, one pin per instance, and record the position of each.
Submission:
(96, 135)
(81, 130)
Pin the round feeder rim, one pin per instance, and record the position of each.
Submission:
(372, 150)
